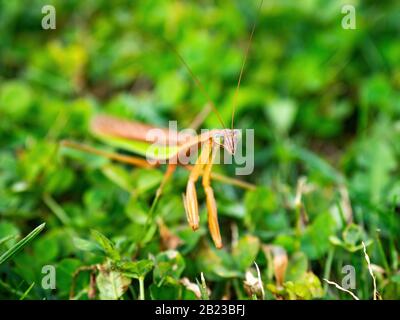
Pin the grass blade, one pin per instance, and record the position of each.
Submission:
(20, 244)
(203, 288)
(27, 291)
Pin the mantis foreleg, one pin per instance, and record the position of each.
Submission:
(211, 203)
(190, 199)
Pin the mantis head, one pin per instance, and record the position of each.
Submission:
(230, 139)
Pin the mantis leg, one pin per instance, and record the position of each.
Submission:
(168, 173)
(170, 170)
(213, 225)
(190, 198)
(136, 161)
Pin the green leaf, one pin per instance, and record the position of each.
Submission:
(146, 180)
(65, 271)
(168, 264)
(112, 285)
(107, 245)
(352, 234)
(316, 164)
(307, 287)
(171, 290)
(15, 98)
(190, 239)
(119, 176)
(20, 244)
(246, 251)
(288, 242)
(315, 240)
(297, 266)
(136, 269)
(216, 264)
(335, 240)
(262, 210)
(282, 114)
(396, 278)
(171, 88)
(86, 245)
(46, 249)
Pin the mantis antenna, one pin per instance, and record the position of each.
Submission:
(198, 83)
(243, 65)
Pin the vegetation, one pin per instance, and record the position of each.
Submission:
(325, 106)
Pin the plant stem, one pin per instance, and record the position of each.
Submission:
(328, 266)
(27, 291)
(141, 288)
(382, 253)
(56, 209)
(298, 220)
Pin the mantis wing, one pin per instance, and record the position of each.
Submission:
(145, 140)
(143, 148)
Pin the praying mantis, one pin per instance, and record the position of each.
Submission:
(121, 133)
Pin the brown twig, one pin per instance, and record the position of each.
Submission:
(342, 289)
(376, 294)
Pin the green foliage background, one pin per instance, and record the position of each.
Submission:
(324, 103)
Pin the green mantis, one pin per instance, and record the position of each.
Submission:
(171, 148)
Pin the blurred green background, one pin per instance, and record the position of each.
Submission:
(325, 106)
